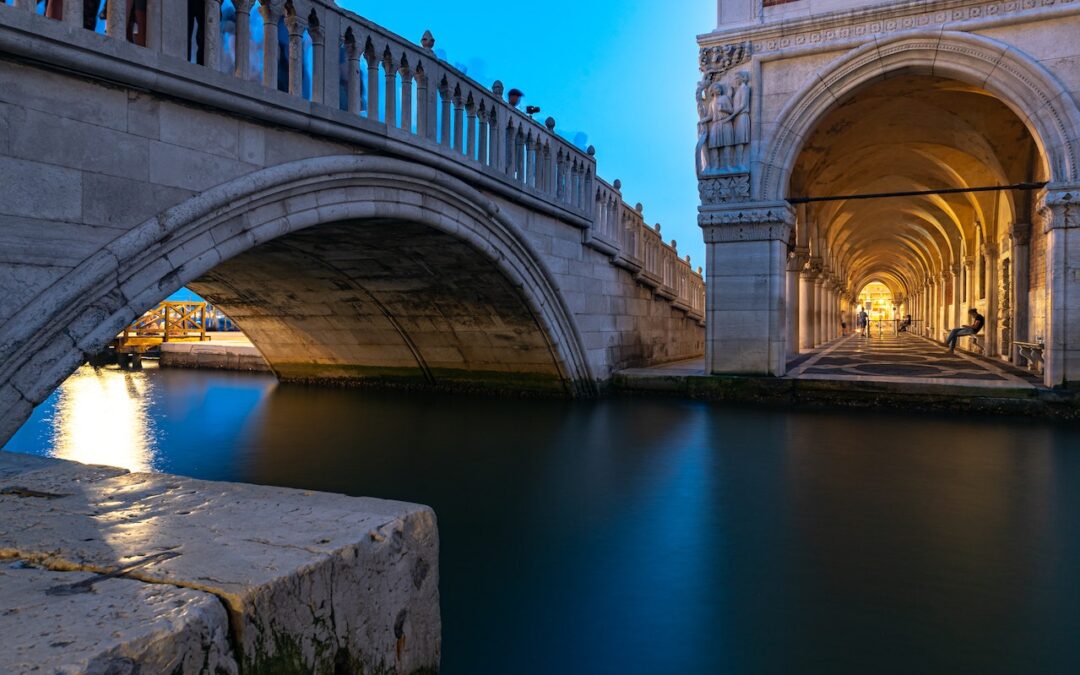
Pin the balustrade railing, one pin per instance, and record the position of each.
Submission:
(620, 230)
(315, 50)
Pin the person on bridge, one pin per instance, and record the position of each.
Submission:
(513, 97)
(977, 321)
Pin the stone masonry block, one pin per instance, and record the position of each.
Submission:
(311, 582)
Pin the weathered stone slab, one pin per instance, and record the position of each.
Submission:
(121, 626)
(312, 582)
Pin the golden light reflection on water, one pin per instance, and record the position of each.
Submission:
(101, 418)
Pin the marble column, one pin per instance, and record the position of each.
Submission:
(819, 306)
(796, 262)
(989, 333)
(243, 38)
(806, 308)
(271, 11)
(746, 324)
(1020, 237)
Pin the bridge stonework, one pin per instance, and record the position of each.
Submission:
(460, 245)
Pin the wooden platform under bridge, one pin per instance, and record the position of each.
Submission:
(168, 322)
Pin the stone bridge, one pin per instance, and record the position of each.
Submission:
(363, 210)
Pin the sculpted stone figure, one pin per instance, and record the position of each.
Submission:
(741, 113)
(721, 128)
(701, 152)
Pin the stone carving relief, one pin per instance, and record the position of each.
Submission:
(715, 61)
(724, 189)
(723, 125)
(723, 105)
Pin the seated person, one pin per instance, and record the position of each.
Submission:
(976, 323)
(905, 324)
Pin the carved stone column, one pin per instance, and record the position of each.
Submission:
(212, 34)
(819, 307)
(746, 327)
(1059, 209)
(1020, 237)
(990, 250)
(807, 310)
(73, 13)
(796, 262)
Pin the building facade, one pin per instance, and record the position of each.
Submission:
(932, 147)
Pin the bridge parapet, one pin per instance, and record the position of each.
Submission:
(620, 231)
(391, 82)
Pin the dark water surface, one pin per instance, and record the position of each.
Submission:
(655, 536)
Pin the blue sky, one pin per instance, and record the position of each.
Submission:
(621, 72)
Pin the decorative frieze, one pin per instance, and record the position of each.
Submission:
(717, 60)
(725, 189)
(764, 221)
(843, 26)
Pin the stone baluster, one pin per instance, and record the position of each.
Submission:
(29, 5)
(116, 18)
(318, 59)
(390, 89)
(425, 104)
(73, 13)
(243, 38)
(520, 154)
(459, 120)
(444, 113)
(352, 75)
(560, 175)
(551, 178)
(295, 26)
(271, 11)
(530, 169)
(498, 140)
(470, 113)
(483, 131)
(406, 94)
(372, 82)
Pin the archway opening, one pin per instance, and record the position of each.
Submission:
(953, 244)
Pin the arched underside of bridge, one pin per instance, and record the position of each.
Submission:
(346, 268)
(392, 300)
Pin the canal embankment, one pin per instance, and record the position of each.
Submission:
(104, 570)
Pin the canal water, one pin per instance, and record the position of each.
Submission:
(656, 536)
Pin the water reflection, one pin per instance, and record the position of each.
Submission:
(100, 416)
(644, 536)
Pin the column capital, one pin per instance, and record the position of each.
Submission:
(747, 221)
(293, 23)
(1059, 206)
(1020, 233)
(271, 11)
(797, 258)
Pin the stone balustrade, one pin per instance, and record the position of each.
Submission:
(380, 78)
(620, 230)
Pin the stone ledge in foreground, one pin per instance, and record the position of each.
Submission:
(311, 582)
(121, 626)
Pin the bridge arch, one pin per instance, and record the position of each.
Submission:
(1036, 96)
(47, 340)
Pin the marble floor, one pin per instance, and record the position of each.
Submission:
(905, 358)
(901, 359)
